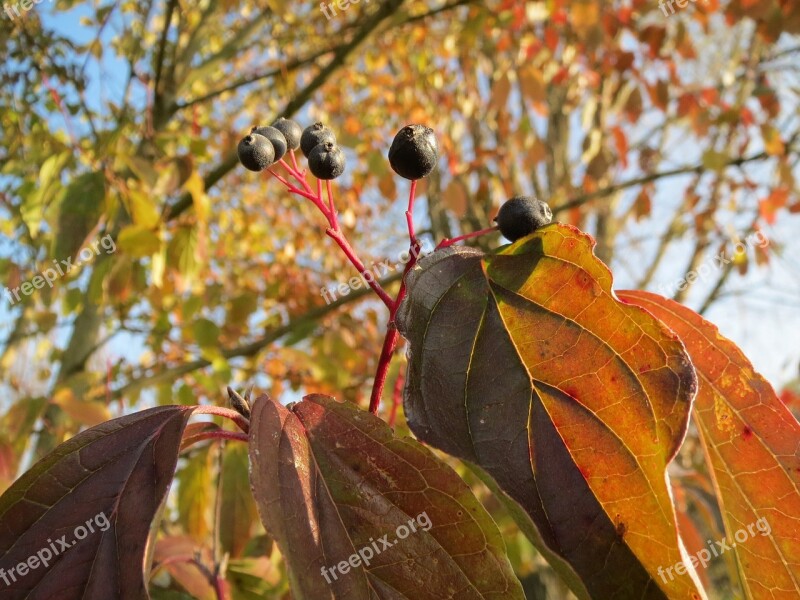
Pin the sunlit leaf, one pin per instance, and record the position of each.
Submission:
(525, 364)
(752, 442)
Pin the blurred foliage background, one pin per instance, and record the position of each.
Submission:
(669, 137)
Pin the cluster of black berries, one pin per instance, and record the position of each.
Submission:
(265, 145)
(413, 154)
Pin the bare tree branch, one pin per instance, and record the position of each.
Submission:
(612, 189)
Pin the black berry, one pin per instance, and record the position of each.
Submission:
(256, 152)
(521, 216)
(326, 161)
(414, 152)
(275, 137)
(290, 130)
(313, 136)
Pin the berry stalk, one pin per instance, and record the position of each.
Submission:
(337, 236)
(467, 236)
(390, 340)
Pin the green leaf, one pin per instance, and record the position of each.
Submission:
(79, 210)
(206, 333)
(143, 209)
(195, 489)
(239, 513)
(138, 242)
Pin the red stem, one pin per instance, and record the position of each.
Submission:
(389, 344)
(397, 397)
(295, 172)
(220, 587)
(390, 340)
(220, 434)
(228, 413)
(333, 231)
(412, 236)
(331, 208)
(449, 242)
(337, 236)
(295, 190)
(294, 162)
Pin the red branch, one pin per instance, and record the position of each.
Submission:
(467, 236)
(397, 397)
(390, 341)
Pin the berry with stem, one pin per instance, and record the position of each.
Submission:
(256, 152)
(313, 135)
(414, 152)
(521, 216)
(276, 138)
(326, 161)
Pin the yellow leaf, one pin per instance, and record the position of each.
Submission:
(138, 241)
(142, 209)
(773, 145)
(195, 186)
(81, 411)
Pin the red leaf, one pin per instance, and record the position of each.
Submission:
(329, 479)
(89, 505)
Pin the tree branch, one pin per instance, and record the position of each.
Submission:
(300, 62)
(612, 189)
(341, 55)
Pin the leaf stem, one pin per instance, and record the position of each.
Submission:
(227, 413)
(214, 435)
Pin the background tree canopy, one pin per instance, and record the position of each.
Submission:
(671, 134)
